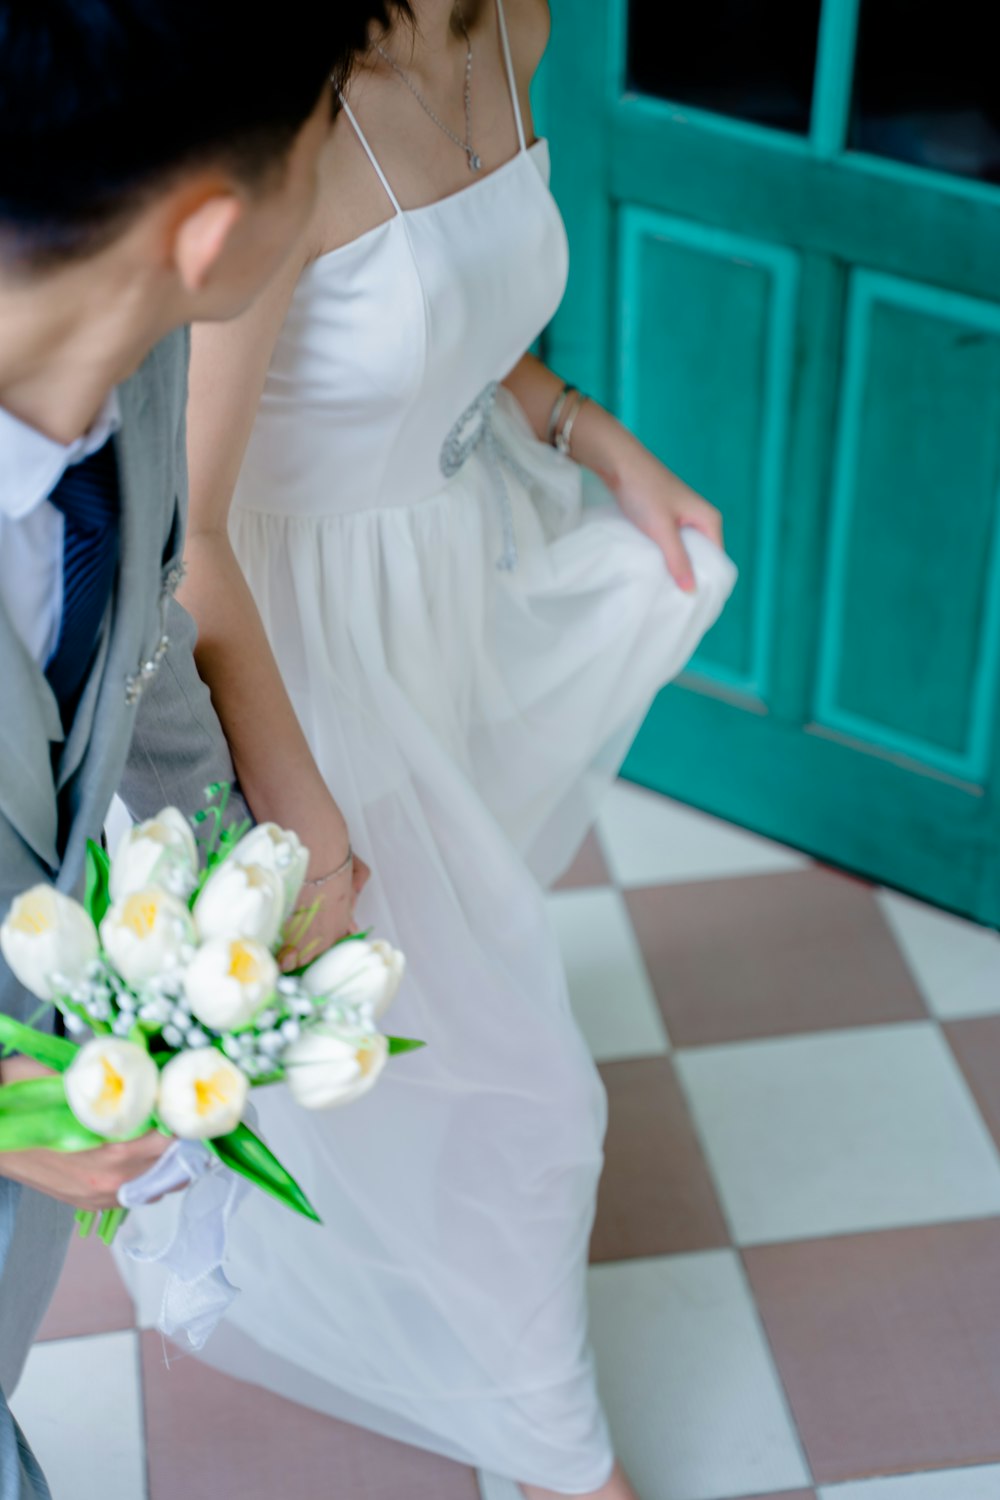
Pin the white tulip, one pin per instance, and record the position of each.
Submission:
(48, 940)
(228, 981)
(359, 971)
(280, 851)
(241, 901)
(146, 934)
(111, 1086)
(202, 1094)
(161, 852)
(331, 1065)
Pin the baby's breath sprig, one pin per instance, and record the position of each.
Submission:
(220, 840)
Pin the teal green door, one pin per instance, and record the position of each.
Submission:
(785, 220)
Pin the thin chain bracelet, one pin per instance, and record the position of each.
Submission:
(332, 874)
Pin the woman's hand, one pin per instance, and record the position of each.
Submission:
(86, 1180)
(659, 504)
(334, 919)
(652, 498)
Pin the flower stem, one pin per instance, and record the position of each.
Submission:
(112, 1220)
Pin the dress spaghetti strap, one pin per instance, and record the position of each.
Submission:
(511, 79)
(371, 154)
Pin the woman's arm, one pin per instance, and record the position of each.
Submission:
(652, 497)
(274, 765)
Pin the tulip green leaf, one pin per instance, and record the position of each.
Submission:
(52, 1051)
(400, 1044)
(29, 1095)
(264, 1080)
(50, 1125)
(242, 1151)
(97, 893)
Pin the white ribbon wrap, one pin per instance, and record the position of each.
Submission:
(197, 1290)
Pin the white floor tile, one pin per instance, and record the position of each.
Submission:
(692, 1396)
(945, 1484)
(650, 840)
(80, 1404)
(843, 1132)
(608, 984)
(492, 1487)
(955, 963)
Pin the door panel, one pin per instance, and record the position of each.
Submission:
(910, 630)
(679, 380)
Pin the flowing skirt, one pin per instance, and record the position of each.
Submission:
(467, 719)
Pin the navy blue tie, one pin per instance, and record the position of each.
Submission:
(87, 496)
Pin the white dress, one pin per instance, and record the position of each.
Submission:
(465, 716)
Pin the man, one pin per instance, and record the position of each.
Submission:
(157, 161)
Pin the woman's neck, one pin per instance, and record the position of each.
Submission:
(436, 30)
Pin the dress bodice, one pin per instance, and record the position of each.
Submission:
(390, 338)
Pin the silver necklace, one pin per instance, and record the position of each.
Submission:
(473, 157)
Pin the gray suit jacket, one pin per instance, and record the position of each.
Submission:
(46, 816)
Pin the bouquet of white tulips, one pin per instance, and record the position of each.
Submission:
(174, 1002)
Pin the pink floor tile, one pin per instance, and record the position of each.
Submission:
(976, 1044)
(770, 955)
(656, 1195)
(209, 1436)
(888, 1345)
(588, 868)
(90, 1297)
(783, 1495)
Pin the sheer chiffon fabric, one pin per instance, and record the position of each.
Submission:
(467, 719)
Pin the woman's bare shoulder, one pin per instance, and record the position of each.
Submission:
(351, 198)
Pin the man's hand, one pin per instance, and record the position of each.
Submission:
(84, 1179)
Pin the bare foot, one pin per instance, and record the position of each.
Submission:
(617, 1488)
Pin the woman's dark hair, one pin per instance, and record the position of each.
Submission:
(102, 100)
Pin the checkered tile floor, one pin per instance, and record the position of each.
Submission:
(796, 1279)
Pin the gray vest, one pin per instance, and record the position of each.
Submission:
(47, 816)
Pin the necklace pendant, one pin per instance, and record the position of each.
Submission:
(475, 162)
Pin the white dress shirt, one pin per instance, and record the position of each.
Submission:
(31, 530)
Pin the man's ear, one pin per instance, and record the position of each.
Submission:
(201, 237)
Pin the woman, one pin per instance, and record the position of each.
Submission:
(467, 659)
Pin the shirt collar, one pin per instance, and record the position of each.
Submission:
(33, 464)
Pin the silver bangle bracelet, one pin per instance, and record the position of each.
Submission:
(332, 874)
(565, 433)
(556, 412)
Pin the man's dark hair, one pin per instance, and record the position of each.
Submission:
(102, 100)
